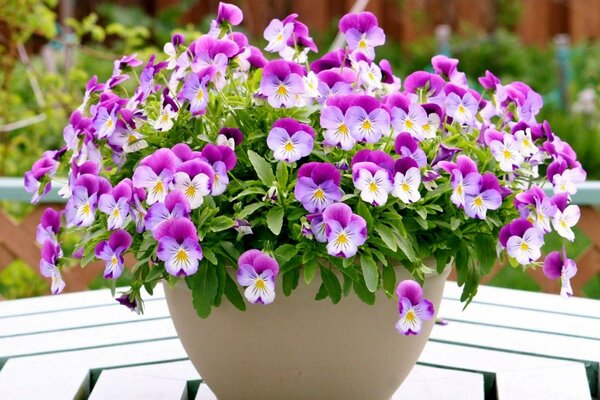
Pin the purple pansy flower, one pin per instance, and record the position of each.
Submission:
(281, 83)
(412, 307)
(367, 121)
(425, 87)
(222, 159)
(116, 204)
(178, 246)
(175, 206)
(411, 120)
(373, 181)
(229, 13)
(231, 137)
(277, 34)
(49, 226)
(194, 178)
(317, 227)
(194, 91)
(362, 33)
(565, 217)
(488, 197)
(407, 179)
(535, 205)
(335, 83)
(406, 146)
(290, 140)
(344, 230)
(465, 178)
(334, 118)
(243, 226)
(379, 157)
(318, 186)
(105, 122)
(51, 252)
(81, 207)
(447, 68)
(563, 178)
(257, 272)
(111, 251)
(522, 241)
(462, 109)
(44, 168)
(155, 174)
(211, 57)
(557, 265)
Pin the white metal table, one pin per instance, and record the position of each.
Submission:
(507, 344)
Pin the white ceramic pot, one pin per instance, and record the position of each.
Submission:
(299, 348)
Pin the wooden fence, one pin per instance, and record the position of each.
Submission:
(17, 240)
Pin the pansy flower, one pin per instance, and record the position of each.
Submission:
(373, 181)
(565, 217)
(257, 272)
(362, 33)
(116, 204)
(406, 146)
(318, 186)
(111, 251)
(367, 121)
(155, 174)
(488, 197)
(51, 252)
(281, 83)
(536, 207)
(81, 207)
(412, 307)
(195, 92)
(557, 265)
(178, 246)
(411, 119)
(336, 122)
(407, 179)
(507, 152)
(277, 34)
(465, 178)
(290, 140)
(49, 226)
(344, 230)
(462, 108)
(44, 168)
(176, 205)
(194, 178)
(522, 241)
(222, 159)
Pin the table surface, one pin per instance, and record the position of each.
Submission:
(507, 344)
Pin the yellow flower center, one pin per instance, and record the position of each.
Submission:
(367, 125)
(289, 146)
(164, 117)
(114, 260)
(459, 190)
(281, 90)
(158, 188)
(409, 123)
(280, 37)
(86, 209)
(109, 123)
(190, 191)
(410, 317)
(405, 187)
(200, 95)
(260, 284)
(342, 239)
(478, 201)
(373, 187)
(524, 246)
(319, 194)
(131, 139)
(362, 44)
(343, 130)
(461, 109)
(507, 154)
(181, 257)
(116, 213)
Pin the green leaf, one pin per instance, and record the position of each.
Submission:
(422, 212)
(155, 274)
(249, 209)
(221, 223)
(332, 284)
(262, 168)
(322, 293)
(210, 255)
(485, 251)
(310, 269)
(290, 281)
(275, 219)
(407, 248)
(454, 223)
(387, 236)
(282, 174)
(363, 293)
(370, 272)
(221, 286)
(285, 253)
(204, 289)
(233, 294)
(364, 212)
(249, 191)
(389, 279)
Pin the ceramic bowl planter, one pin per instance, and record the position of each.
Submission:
(299, 348)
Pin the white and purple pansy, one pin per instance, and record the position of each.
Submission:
(565, 174)
(290, 140)
(277, 34)
(412, 307)
(522, 241)
(461, 105)
(257, 272)
(42, 169)
(367, 121)
(373, 181)
(111, 251)
(105, 122)
(411, 119)
(424, 87)
(194, 178)
(407, 179)
(178, 246)
(465, 178)
(536, 207)
(211, 57)
(51, 253)
(282, 82)
(362, 33)
(565, 217)
(557, 265)
(487, 197)
(447, 68)
(344, 230)
(318, 186)
(176, 205)
(155, 174)
(116, 204)
(81, 207)
(195, 92)
(406, 146)
(507, 152)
